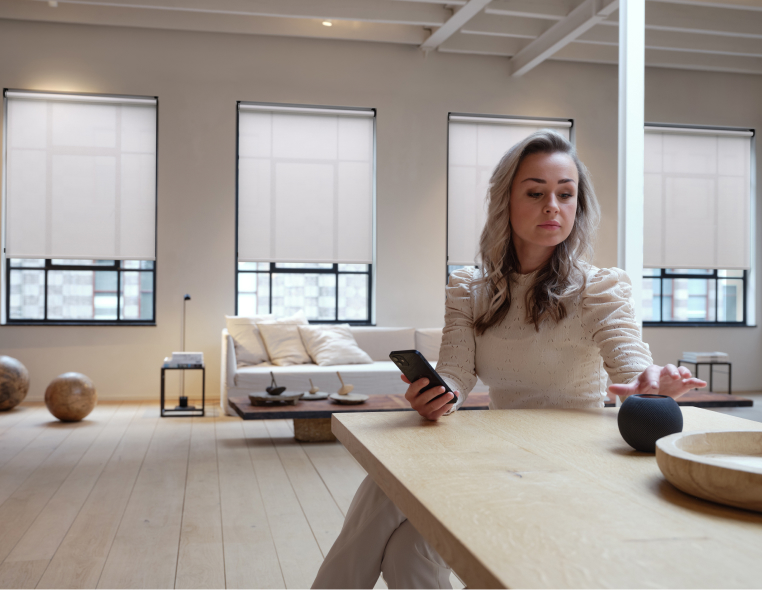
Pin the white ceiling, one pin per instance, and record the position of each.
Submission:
(718, 35)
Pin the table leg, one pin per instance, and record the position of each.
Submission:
(313, 430)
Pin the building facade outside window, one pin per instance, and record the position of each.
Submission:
(305, 212)
(79, 234)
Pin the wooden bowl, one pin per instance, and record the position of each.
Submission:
(722, 467)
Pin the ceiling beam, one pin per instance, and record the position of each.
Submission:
(706, 20)
(680, 41)
(580, 20)
(454, 23)
(504, 26)
(211, 23)
(547, 10)
(605, 54)
(738, 4)
(378, 11)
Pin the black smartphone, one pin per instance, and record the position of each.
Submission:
(414, 366)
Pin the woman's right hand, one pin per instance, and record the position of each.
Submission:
(424, 402)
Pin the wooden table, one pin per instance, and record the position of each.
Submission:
(312, 419)
(554, 498)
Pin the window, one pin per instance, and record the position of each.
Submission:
(81, 292)
(701, 296)
(697, 226)
(305, 207)
(79, 232)
(326, 292)
(476, 144)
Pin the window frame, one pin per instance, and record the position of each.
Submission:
(48, 266)
(5, 266)
(273, 269)
(335, 268)
(664, 274)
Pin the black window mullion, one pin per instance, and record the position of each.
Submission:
(45, 287)
(335, 268)
(119, 293)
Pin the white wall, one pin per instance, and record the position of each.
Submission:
(198, 78)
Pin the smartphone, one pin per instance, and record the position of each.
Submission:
(414, 366)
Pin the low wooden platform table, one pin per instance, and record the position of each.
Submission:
(312, 419)
(702, 399)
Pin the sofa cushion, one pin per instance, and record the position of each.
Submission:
(428, 341)
(332, 345)
(246, 338)
(284, 344)
(376, 378)
(379, 342)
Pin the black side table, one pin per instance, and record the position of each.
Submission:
(184, 412)
(711, 364)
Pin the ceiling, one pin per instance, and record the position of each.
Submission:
(719, 35)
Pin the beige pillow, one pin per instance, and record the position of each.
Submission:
(282, 340)
(246, 338)
(428, 342)
(332, 345)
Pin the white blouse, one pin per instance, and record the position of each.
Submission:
(563, 365)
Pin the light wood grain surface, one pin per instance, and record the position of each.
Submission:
(554, 498)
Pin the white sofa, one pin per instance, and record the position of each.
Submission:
(378, 378)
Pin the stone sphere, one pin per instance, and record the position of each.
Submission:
(14, 382)
(70, 397)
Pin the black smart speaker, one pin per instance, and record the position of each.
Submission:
(645, 418)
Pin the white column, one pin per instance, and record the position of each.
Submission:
(630, 165)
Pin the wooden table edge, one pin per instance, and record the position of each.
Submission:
(453, 553)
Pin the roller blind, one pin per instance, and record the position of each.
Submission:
(305, 185)
(697, 189)
(475, 145)
(81, 177)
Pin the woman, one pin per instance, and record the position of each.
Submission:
(538, 324)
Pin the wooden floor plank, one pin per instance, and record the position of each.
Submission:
(20, 467)
(12, 418)
(145, 549)
(338, 470)
(22, 432)
(323, 514)
(21, 574)
(200, 560)
(298, 551)
(21, 509)
(80, 558)
(250, 555)
(42, 539)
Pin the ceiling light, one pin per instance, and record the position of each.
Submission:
(52, 4)
(327, 23)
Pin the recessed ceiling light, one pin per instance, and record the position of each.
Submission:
(52, 3)
(327, 23)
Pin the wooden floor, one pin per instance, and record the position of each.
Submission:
(126, 499)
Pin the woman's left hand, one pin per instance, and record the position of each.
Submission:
(668, 380)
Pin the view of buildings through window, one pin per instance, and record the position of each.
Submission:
(66, 290)
(326, 292)
(693, 295)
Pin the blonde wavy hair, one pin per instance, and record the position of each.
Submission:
(563, 276)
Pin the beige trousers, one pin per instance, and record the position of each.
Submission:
(377, 538)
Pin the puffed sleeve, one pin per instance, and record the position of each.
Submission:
(609, 319)
(456, 362)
